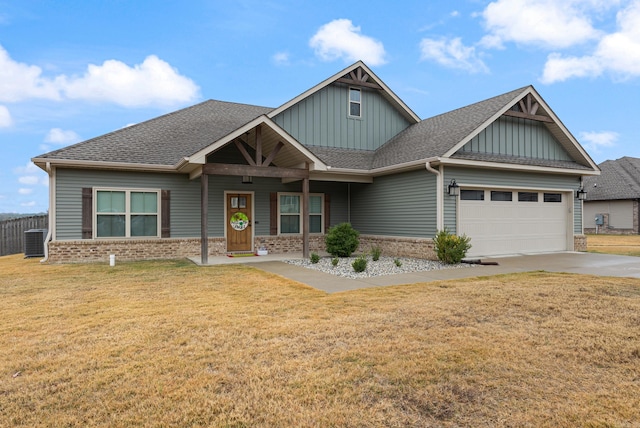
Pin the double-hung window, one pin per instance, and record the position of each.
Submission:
(127, 213)
(290, 213)
(355, 102)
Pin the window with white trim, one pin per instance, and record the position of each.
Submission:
(290, 213)
(127, 213)
(355, 102)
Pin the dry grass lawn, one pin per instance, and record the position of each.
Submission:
(161, 344)
(626, 245)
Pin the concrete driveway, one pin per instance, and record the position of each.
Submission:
(581, 263)
(584, 263)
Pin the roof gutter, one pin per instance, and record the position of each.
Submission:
(439, 191)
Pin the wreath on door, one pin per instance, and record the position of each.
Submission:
(239, 221)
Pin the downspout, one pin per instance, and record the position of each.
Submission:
(51, 223)
(439, 193)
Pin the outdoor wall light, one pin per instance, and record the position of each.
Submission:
(581, 194)
(247, 179)
(453, 189)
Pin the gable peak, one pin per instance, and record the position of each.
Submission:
(359, 77)
(528, 107)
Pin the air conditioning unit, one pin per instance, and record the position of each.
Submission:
(34, 242)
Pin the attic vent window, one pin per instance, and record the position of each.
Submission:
(355, 102)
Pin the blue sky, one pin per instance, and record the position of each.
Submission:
(73, 70)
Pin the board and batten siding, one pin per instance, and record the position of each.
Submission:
(517, 137)
(396, 205)
(322, 119)
(185, 199)
(488, 179)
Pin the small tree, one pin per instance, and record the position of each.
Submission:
(342, 240)
(451, 249)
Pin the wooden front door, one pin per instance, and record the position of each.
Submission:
(239, 222)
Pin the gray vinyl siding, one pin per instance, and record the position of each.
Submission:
(396, 205)
(185, 199)
(517, 137)
(620, 213)
(322, 119)
(488, 178)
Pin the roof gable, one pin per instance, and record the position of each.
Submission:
(357, 74)
(444, 136)
(435, 136)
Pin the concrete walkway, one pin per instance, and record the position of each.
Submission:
(570, 262)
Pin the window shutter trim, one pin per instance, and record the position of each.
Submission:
(165, 213)
(327, 212)
(273, 213)
(87, 213)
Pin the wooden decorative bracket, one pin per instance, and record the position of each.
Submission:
(528, 109)
(258, 160)
(358, 77)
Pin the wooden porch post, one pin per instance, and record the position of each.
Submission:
(305, 217)
(204, 214)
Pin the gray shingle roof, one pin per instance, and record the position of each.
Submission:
(435, 136)
(344, 158)
(164, 140)
(620, 179)
(517, 160)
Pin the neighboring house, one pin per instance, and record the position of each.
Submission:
(219, 177)
(613, 198)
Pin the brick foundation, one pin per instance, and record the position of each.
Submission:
(91, 251)
(397, 246)
(579, 243)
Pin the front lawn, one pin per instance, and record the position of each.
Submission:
(624, 245)
(171, 344)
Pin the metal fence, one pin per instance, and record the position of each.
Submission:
(12, 232)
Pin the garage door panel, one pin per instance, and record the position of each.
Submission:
(501, 227)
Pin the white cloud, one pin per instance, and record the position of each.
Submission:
(558, 69)
(31, 175)
(597, 140)
(29, 168)
(340, 39)
(549, 23)
(28, 204)
(20, 81)
(5, 117)
(28, 179)
(60, 136)
(281, 58)
(152, 82)
(24, 191)
(617, 53)
(452, 53)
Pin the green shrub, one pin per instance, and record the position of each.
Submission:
(375, 253)
(315, 258)
(342, 240)
(360, 264)
(451, 249)
(398, 262)
(334, 261)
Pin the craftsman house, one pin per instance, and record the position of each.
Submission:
(613, 205)
(220, 177)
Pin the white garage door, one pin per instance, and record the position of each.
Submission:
(513, 222)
